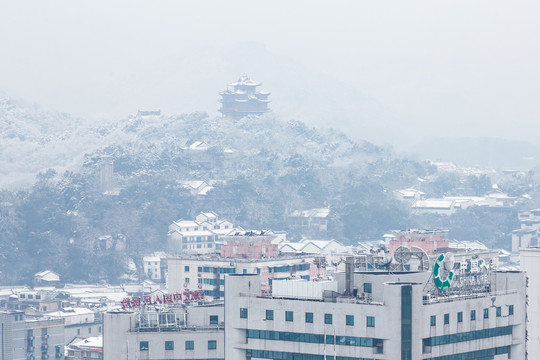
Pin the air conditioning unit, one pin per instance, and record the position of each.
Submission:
(45, 356)
(44, 347)
(30, 348)
(46, 336)
(199, 286)
(199, 275)
(31, 337)
(30, 357)
(186, 285)
(58, 355)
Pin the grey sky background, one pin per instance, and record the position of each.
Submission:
(418, 68)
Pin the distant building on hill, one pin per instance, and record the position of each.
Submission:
(244, 99)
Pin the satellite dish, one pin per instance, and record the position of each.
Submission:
(422, 257)
(386, 261)
(402, 255)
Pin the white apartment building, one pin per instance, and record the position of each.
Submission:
(23, 338)
(207, 273)
(200, 236)
(195, 332)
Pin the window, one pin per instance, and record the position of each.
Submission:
(510, 309)
(367, 288)
(269, 314)
(30, 296)
(186, 280)
(38, 297)
(473, 314)
(446, 319)
(370, 321)
(190, 345)
(186, 268)
(199, 269)
(486, 313)
(78, 331)
(498, 311)
(349, 320)
(169, 345)
(143, 345)
(288, 316)
(433, 320)
(43, 331)
(244, 271)
(328, 318)
(243, 313)
(89, 330)
(58, 350)
(212, 344)
(459, 317)
(309, 317)
(23, 296)
(213, 319)
(99, 329)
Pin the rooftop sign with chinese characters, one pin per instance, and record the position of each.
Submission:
(151, 300)
(464, 275)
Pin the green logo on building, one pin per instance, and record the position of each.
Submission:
(442, 282)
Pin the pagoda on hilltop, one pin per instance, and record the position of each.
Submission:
(244, 99)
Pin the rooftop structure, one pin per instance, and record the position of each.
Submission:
(428, 240)
(244, 99)
(378, 316)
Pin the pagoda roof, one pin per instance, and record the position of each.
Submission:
(245, 81)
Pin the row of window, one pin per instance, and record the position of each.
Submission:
(30, 296)
(281, 355)
(215, 270)
(169, 345)
(315, 338)
(211, 293)
(446, 317)
(478, 354)
(308, 317)
(467, 336)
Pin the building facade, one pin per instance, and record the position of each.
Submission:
(195, 332)
(207, 273)
(399, 319)
(24, 338)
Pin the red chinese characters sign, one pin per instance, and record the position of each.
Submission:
(149, 300)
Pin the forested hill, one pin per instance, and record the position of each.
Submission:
(261, 168)
(265, 168)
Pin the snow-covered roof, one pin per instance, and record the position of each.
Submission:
(410, 192)
(467, 245)
(312, 213)
(434, 204)
(47, 275)
(91, 343)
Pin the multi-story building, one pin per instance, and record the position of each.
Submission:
(310, 222)
(195, 332)
(529, 259)
(207, 273)
(78, 322)
(377, 315)
(528, 233)
(24, 338)
(199, 236)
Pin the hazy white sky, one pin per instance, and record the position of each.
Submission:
(410, 55)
